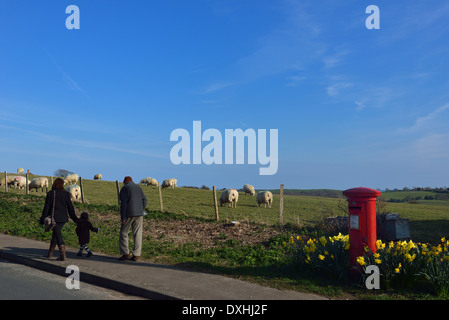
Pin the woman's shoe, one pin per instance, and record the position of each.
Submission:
(61, 253)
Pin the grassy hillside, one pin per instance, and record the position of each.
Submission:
(191, 202)
(429, 219)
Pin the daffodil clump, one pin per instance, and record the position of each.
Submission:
(326, 254)
(405, 264)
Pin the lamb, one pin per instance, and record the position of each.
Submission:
(40, 182)
(249, 189)
(230, 196)
(20, 171)
(169, 183)
(75, 192)
(265, 197)
(71, 178)
(98, 176)
(20, 182)
(149, 181)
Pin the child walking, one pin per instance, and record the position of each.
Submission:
(83, 231)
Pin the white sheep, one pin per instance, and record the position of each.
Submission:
(9, 179)
(20, 182)
(98, 176)
(230, 196)
(172, 183)
(71, 178)
(75, 192)
(149, 181)
(40, 182)
(20, 171)
(249, 189)
(265, 197)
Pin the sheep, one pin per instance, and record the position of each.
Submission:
(98, 176)
(75, 192)
(265, 197)
(9, 181)
(71, 178)
(230, 196)
(40, 182)
(249, 189)
(20, 182)
(169, 183)
(20, 170)
(149, 181)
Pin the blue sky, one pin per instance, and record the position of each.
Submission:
(353, 107)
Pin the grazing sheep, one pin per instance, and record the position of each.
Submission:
(230, 196)
(20, 171)
(249, 189)
(20, 182)
(37, 183)
(265, 197)
(149, 181)
(9, 181)
(169, 183)
(71, 178)
(98, 176)
(75, 192)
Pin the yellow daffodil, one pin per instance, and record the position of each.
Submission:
(361, 261)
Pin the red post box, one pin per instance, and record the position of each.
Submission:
(362, 221)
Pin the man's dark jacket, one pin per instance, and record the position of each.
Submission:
(132, 201)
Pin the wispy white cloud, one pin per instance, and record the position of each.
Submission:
(431, 146)
(294, 81)
(288, 46)
(214, 87)
(335, 59)
(73, 85)
(426, 122)
(335, 89)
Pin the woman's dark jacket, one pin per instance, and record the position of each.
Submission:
(63, 207)
(82, 230)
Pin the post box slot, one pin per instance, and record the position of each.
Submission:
(355, 208)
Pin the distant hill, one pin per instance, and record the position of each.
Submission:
(328, 193)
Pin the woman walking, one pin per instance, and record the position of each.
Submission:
(63, 208)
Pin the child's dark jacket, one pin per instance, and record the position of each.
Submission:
(82, 230)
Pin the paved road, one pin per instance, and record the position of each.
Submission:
(19, 282)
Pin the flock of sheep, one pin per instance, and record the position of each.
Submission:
(19, 182)
(230, 196)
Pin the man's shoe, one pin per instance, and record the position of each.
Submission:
(124, 257)
(135, 258)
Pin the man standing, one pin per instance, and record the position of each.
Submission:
(132, 205)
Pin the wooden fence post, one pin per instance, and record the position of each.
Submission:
(281, 205)
(81, 187)
(6, 182)
(26, 184)
(215, 203)
(118, 191)
(160, 196)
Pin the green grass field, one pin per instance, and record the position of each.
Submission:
(265, 263)
(429, 219)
